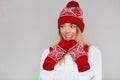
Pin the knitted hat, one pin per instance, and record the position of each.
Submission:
(72, 13)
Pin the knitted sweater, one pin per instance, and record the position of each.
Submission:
(68, 69)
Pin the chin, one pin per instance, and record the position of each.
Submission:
(69, 39)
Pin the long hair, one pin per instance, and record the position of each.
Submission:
(79, 39)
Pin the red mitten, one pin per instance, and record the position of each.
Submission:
(55, 55)
(66, 45)
(80, 56)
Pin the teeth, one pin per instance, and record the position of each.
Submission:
(68, 36)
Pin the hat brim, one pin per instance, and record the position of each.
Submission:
(71, 19)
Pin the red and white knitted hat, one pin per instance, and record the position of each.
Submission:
(72, 13)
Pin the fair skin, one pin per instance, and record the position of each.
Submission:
(68, 31)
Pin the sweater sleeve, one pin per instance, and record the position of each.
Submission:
(44, 74)
(96, 63)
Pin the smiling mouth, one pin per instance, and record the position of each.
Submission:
(68, 37)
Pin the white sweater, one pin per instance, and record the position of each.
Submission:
(69, 71)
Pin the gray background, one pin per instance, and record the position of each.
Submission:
(28, 27)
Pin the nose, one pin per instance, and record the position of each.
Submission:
(67, 30)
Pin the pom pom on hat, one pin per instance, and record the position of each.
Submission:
(72, 4)
(72, 13)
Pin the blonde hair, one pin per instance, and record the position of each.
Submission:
(79, 39)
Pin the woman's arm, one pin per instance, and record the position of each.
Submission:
(95, 60)
(44, 74)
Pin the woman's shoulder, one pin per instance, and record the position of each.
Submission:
(45, 52)
(94, 49)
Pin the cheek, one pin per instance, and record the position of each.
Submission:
(74, 32)
(62, 32)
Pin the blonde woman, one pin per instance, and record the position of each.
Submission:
(71, 58)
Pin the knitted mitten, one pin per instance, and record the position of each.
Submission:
(55, 55)
(80, 56)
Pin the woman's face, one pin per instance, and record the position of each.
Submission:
(68, 31)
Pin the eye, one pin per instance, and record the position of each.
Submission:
(62, 26)
(73, 26)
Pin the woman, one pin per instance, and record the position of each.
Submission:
(71, 58)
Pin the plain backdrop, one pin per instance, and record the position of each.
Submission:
(28, 27)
